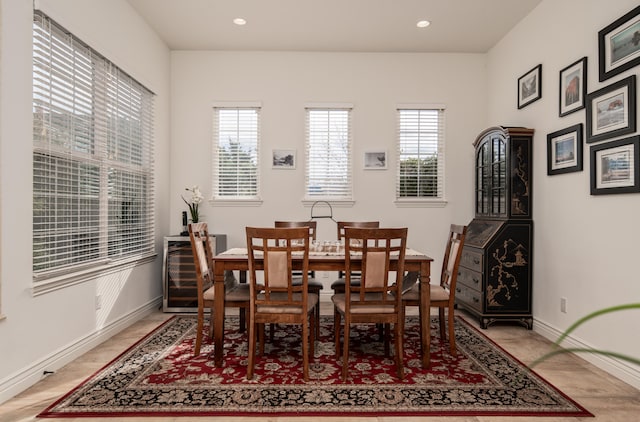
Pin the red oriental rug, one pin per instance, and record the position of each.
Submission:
(158, 376)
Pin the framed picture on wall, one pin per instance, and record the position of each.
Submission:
(614, 167)
(375, 160)
(530, 86)
(573, 87)
(284, 159)
(619, 45)
(564, 150)
(611, 111)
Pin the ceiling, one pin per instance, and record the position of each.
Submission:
(457, 26)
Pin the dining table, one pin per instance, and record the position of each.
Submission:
(237, 259)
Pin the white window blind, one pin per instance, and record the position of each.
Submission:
(236, 138)
(420, 153)
(328, 154)
(93, 187)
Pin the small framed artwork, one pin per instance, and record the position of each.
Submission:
(614, 167)
(619, 45)
(284, 159)
(611, 111)
(564, 150)
(375, 160)
(573, 87)
(530, 86)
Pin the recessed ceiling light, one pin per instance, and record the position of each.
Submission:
(239, 21)
(423, 24)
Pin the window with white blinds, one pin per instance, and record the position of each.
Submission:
(420, 153)
(236, 139)
(328, 154)
(93, 187)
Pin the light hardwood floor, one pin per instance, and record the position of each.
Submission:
(608, 398)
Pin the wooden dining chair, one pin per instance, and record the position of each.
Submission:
(443, 295)
(377, 298)
(236, 295)
(314, 285)
(275, 299)
(338, 285)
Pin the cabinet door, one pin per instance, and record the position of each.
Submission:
(521, 177)
(181, 283)
(491, 176)
(508, 270)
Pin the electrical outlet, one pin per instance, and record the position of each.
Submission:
(98, 302)
(563, 305)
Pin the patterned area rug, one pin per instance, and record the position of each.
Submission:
(159, 376)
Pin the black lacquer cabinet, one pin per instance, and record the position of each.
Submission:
(495, 275)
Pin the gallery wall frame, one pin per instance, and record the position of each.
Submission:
(284, 159)
(573, 87)
(619, 45)
(530, 87)
(614, 167)
(375, 160)
(611, 111)
(564, 150)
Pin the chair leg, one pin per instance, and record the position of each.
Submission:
(399, 334)
(452, 335)
(386, 335)
(345, 349)
(252, 349)
(314, 325)
(199, 329)
(318, 319)
(443, 335)
(305, 350)
(336, 331)
(261, 338)
(243, 320)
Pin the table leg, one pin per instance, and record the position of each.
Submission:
(218, 317)
(425, 314)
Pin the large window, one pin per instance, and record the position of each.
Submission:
(328, 154)
(93, 187)
(236, 133)
(420, 153)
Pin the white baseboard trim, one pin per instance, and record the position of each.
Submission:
(619, 369)
(28, 376)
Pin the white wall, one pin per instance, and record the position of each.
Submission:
(586, 247)
(284, 82)
(44, 332)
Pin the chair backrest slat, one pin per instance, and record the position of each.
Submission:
(452, 255)
(202, 255)
(272, 252)
(375, 248)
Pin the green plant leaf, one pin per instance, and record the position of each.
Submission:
(587, 349)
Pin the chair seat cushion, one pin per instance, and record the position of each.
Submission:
(340, 303)
(341, 281)
(311, 282)
(438, 293)
(312, 300)
(238, 293)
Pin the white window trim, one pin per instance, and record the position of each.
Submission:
(45, 281)
(424, 202)
(53, 283)
(254, 201)
(308, 201)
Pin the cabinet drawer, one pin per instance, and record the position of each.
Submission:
(469, 297)
(472, 279)
(471, 259)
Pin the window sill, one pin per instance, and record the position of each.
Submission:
(254, 202)
(420, 203)
(58, 282)
(338, 203)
